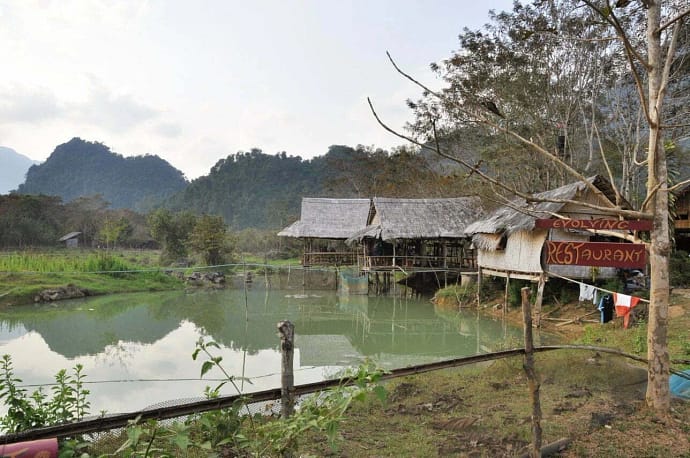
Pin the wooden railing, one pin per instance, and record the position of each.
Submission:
(682, 224)
(370, 262)
(329, 258)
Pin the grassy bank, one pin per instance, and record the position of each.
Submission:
(24, 275)
(594, 399)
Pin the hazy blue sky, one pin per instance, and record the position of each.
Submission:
(194, 81)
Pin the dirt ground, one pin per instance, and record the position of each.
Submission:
(594, 400)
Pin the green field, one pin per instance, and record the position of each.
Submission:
(24, 274)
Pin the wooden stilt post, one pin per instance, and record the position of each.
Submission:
(538, 301)
(530, 371)
(505, 295)
(479, 285)
(287, 377)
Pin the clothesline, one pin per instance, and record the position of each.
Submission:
(582, 283)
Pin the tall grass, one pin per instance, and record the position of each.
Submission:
(49, 263)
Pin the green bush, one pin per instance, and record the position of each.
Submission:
(67, 403)
(679, 269)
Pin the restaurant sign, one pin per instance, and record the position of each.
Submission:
(596, 224)
(597, 254)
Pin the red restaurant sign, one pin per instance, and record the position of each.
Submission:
(598, 254)
(600, 224)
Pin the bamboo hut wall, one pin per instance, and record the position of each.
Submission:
(521, 254)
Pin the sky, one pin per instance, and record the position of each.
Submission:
(194, 82)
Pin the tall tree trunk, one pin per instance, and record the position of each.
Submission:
(658, 395)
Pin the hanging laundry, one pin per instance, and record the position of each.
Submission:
(624, 304)
(587, 293)
(606, 308)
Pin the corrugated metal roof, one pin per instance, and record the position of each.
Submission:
(329, 218)
(71, 235)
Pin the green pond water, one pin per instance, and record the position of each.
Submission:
(136, 348)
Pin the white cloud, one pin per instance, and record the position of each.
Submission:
(112, 111)
(168, 129)
(196, 82)
(20, 104)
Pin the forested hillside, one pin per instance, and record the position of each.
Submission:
(253, 189)
(80, 168)
(248, 189)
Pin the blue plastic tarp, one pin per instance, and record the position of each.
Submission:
(680, 386)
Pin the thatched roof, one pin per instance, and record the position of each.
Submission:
(520, 215)
(329, 218)
(421, 218)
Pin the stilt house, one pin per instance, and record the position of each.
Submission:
(681, 218)
(418, 233)
(324, 225)
(509, 244)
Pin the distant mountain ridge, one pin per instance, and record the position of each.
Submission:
(248, 189)
(81, 168)
(13, 170)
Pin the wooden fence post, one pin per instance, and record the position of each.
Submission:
(287, 376)
(532, 378)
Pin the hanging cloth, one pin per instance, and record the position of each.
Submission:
(624, 304)
(606, 308)
(587, 293)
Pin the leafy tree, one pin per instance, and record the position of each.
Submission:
(115, 231)
(171, 231)
(30, 220)
(506, 87)
(210, 239)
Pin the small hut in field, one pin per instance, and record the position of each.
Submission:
(70, 240)
(509, 245)
(324, 225)
(422, 233)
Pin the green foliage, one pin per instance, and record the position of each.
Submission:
(68, 401)
(30, 220)
(679, 269)
(265, 244)
(515, 292)
(114, 231)
(48, 263)
(461, 294)
(211, 240)
(227, 432)
(172, 232)
(254, 189)
(151, 439)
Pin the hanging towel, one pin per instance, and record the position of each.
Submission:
(587, 293)
(624, 304)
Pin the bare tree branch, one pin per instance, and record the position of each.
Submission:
(619, 198)
(630, 53)
(610, 210)
(672, 21)
(677, 186)
(483, 120)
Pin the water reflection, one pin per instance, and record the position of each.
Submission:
(148, 339)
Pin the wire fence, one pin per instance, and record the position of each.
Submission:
(106, 429)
